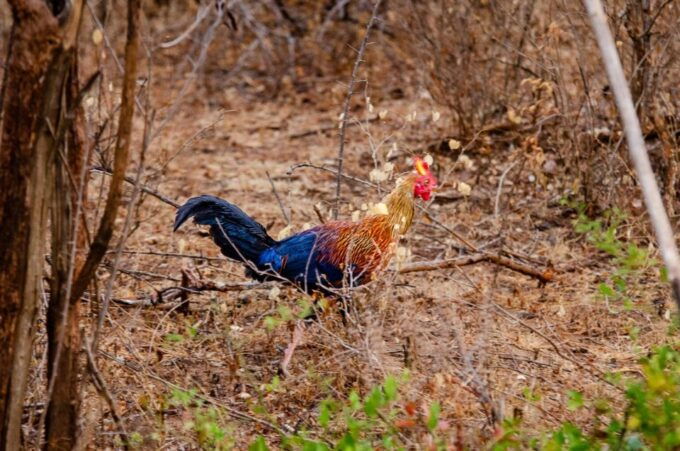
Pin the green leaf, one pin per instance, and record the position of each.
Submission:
(354, 400)
(374, 401)
(182, 397)
(314, 446)
(606, 291)
(270, 323)
(575, 400)
(258, 445)
(433, 418)
(285, 312)
(173, 338)
(390, 388)
(325, 413)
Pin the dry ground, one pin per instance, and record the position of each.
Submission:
(474, 339)
(460, 333)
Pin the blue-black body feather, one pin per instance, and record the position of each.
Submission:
(298, 259)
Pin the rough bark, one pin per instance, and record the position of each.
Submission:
(67, 287)
(69, 183)
(61, 131)
(23, 203)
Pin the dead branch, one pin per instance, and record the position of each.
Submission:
(499, 190)
(345, 109)
(94, 341)
(319, 214)
(167, 296)
(544, 276)
(332, 171)
(103, 389)
(171, 254)
(442, 264)
(170, 294)
(144, 188)
(636, 144)
(201, 14)
(122, 153)
(597, 372)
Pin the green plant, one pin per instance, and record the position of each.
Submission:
(363, 423)
(629, 259)
(206, 421)
(285, 314)
(190, 331)
(650, 419)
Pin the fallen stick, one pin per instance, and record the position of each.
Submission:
(167, 295)
(543, 276)
(170, 294)
(172, 254)
(441, 264)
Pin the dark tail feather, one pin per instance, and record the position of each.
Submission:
(238, 235)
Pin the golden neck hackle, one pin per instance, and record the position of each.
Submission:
(401, 205)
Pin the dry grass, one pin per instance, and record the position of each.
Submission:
(460, 333)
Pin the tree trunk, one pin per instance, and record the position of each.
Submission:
(69, 185)
(72, 272)
(23, 203)
(62, 131)
(42, 149)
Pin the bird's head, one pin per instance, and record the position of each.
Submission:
(425, 182)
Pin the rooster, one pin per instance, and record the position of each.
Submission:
(324, 258)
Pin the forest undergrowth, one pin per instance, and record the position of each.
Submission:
(563, 337)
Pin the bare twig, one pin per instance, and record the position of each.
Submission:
(122, 153)
(496, 208)
(442, 264)
(332, 171)
(319, 214)
(171, 254)
(326, 128)
(345, 109)
(201, 14)
(124, 235)
(170, 294)
(278, 199)
(636, 145)
(144, 188)
(597, 372)
(443, 226)
(103, 389)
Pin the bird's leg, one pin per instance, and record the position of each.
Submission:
(192, 278)
(290, 349)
